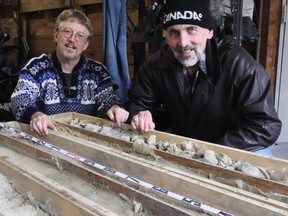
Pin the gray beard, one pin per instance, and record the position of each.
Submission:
(188, 62)
(191, 61)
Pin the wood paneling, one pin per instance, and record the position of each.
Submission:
(269, 29)
(35, 5)
(39, 27)
(38, 19)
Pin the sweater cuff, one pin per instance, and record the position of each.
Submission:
(26, 117)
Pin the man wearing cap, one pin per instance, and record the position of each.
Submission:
(207, 91)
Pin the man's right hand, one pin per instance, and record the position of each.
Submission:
(40, 123)
(143, 122)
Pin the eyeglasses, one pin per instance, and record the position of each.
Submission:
(67, 33)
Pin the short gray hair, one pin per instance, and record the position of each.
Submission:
(76, 15)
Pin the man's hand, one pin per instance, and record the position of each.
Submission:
(143, 122)
(40, 123)
(118, 114)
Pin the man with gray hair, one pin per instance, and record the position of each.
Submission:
(65, 80)
(218, 94)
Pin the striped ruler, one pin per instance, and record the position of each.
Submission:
(195, 203)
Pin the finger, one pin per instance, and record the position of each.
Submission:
(118, 120)
(42, 128)
(122, 117)
(152, 126)
(36, 129)
(110, 114)
(126, 116)
(117, 117)
(42, 125)
(146, 120)
(51, 125)
(45, 131)
(47, 124)
(37, 126)
(142, 124)
(135, 123)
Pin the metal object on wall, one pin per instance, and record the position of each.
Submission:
(237, 20)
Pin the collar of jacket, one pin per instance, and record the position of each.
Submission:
(212, 61)
(56, 65)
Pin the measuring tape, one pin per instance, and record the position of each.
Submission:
(91, 163)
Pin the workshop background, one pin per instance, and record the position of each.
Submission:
(88, 166)
(257, 25)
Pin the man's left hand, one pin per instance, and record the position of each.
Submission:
(118, 114)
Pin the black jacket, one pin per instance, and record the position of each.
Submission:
(232, 104)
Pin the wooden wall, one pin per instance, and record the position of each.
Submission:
(269, 29)
(10, 25)
(38, 18)
(39, 32)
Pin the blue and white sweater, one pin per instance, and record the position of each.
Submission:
(41, 87)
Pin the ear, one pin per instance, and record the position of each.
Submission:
(56, 34)
(210, 34)
(85, 45)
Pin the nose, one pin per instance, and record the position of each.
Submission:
(184, 40)
(72, 37)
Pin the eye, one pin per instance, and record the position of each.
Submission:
(191, 29)
(173, 33)
(80, 36)
(67, 32)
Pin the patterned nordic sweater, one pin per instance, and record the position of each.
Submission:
(43, 87)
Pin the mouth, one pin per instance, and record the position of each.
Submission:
(186, 53)
(70, 46)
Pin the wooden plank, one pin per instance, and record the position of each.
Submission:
(273, 164)
(63, 200)
(97, 55)
(9, 26)
(269, 29)
(35, 5)
(170, 180)
(44, 26)
(87, 2)
(164, 176)
(269, 163)
(236, 154)
(40, 28)
(273, 41)
(154, 205)
(96, 20)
